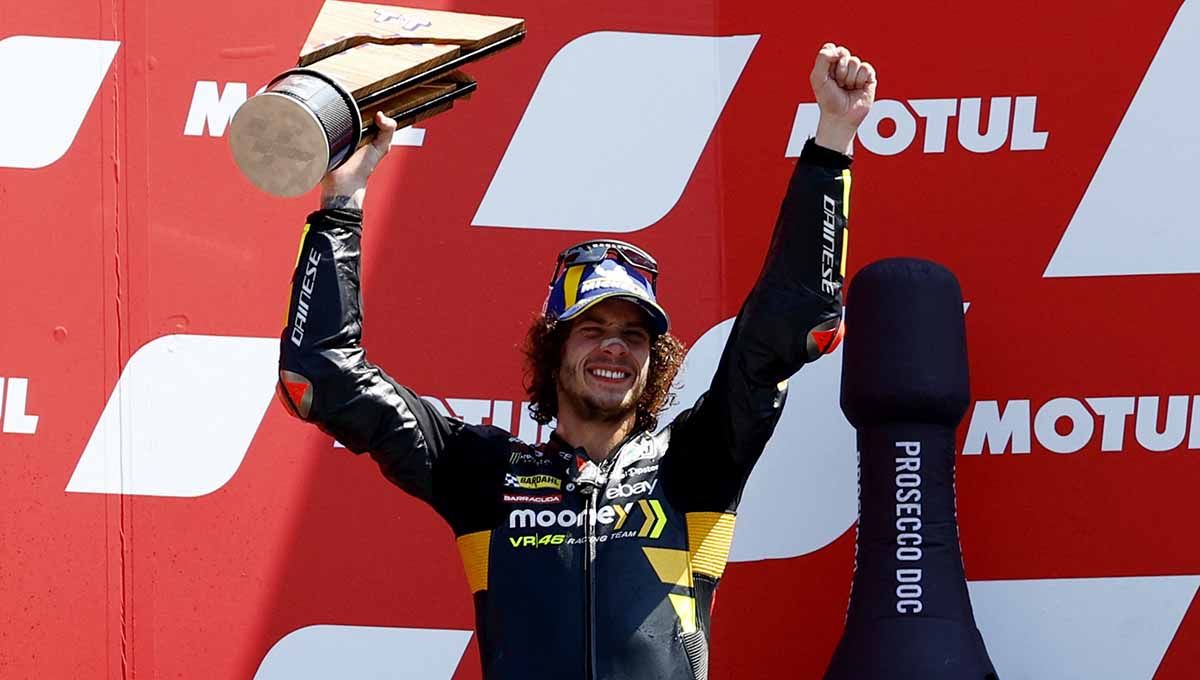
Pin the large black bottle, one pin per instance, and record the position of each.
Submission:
(905, 388)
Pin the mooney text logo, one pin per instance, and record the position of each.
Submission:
(1066, 425)
(654, 518)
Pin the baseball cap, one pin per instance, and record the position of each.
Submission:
(593, 271)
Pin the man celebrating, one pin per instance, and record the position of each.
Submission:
(597, 554)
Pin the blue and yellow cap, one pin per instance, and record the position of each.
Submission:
(594, 271)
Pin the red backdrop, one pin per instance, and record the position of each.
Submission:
(143, 228)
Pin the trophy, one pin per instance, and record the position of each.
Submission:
(358, 59)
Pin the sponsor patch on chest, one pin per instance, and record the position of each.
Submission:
(625, 490)
(532, 499)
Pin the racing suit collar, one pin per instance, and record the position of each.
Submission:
(558, 445)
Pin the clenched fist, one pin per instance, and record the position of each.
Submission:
(844, 86)
(346, 187)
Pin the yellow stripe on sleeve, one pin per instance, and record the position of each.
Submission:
(845, 249)
(300, 248)
(846, 194)
(709, 537)
(845, 214)
(287, 310)
(474, 551)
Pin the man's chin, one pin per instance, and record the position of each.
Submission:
(607, 410)
(604, 410)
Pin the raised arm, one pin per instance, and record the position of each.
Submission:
(324, 375)
(793, 313)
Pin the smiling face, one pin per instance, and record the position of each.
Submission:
(605, 361)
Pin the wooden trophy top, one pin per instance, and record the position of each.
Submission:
(369, 48)
(342, 25)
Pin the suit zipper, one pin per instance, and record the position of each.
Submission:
(589, 578)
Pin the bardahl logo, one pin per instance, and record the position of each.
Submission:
(532, 481)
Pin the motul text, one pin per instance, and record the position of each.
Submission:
(1067, 425)
(1010, 120)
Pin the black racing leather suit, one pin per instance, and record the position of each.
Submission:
(581, 570)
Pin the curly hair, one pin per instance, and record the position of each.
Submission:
(543, 351)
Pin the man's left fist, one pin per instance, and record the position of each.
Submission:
(845, 89)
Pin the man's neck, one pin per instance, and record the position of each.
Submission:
(598, 438)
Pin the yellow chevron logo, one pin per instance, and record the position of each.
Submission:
(656, 519)
(622, 515)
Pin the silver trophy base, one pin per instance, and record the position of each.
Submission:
(285, 139)
(279, 144)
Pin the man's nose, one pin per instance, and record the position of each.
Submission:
(614, 346)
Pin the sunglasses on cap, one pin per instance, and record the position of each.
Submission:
(592, 252)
